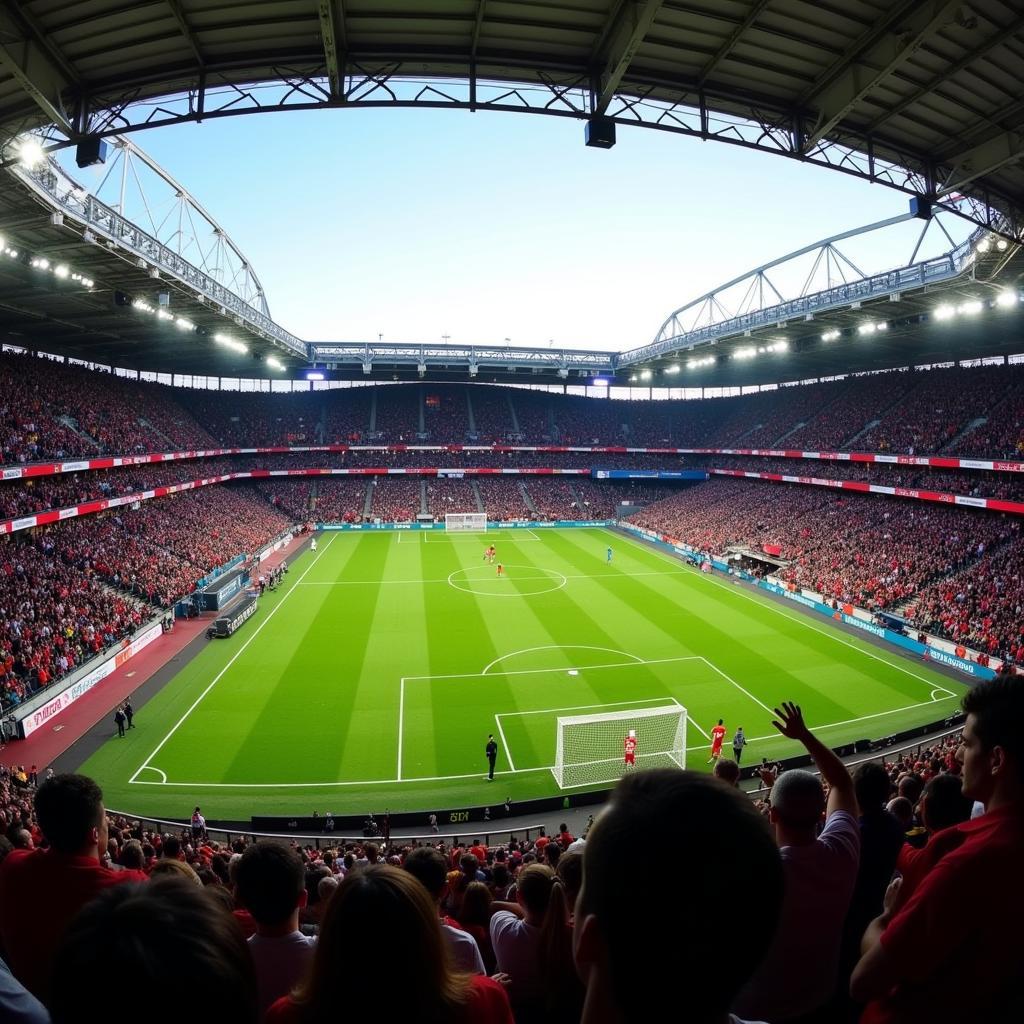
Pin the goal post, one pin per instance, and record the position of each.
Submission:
(590, 749)
(465, 522)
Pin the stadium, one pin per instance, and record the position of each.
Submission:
(359, 598)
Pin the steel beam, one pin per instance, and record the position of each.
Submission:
(332, 31)
(876, 56)
(633, 22)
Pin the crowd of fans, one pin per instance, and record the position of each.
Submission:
(890, 896)
(879, 553)
(503, 498)
(74, 589)
(54, 410)
(447, 495)
(396, 499)
(53, 617)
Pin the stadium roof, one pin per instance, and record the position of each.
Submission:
(926, 97)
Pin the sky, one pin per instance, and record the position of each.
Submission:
(421, 224)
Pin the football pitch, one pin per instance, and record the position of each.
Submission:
(372, 677)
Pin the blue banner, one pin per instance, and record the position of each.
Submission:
(649, 474)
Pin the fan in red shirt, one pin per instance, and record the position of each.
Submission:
(41, 891)
(630, 748)
(717, 737)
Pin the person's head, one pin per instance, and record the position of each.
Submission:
(325, 888)
(427, 865)
(163, 937)
(469, 865)
(903, 811)
(171, 848)
(910, 785)
(476, 905)
(176, 869)
(798, 802)
(638, 979)
(69, 809)
(944, 803)
(720, 721)
(992, 750)
(570, 874)
(270, 884)
(727, 770)
(552, 851)
(871, 784)
(132, 856)
(382, 908)
(563, 828)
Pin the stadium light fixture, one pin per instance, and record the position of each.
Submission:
(645, 374)
(983, 247)
(945, 312)
(831, 335)
(274, 364)
(231, 343)
(314, 375)
(1004, 300)
(674, 368)
(867, 328)
(972, 307)
(184, 325)
(162, 314)
(1002, 244)
(745, 353)
(30, 153)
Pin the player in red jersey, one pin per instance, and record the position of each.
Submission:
(630, 748)
(717, 737)
(501, 569)
(489, 554)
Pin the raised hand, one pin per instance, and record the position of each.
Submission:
(791, 723)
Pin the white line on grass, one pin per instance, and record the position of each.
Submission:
(587, 707)
(793, 618)
(474, 775)
(401, 722)
(234, 658)
(565, 668)
(578, 576)
(729, 679)
(504, 743)
(560, 647)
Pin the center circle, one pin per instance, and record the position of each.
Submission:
(517, 581)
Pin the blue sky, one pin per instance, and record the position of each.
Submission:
(417, 223)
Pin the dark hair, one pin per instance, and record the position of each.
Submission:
(132, 855)
(945, 803)
(68, 807)
(998, 709)
(163, 937)
(171, 847)
(872, 785)
(269, 880)
(383, 908)
(427, 865)
(570, 874)
(680, 807)
(727, 770)
(542, 895)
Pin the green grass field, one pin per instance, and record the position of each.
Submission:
(373, 676)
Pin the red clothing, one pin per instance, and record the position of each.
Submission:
(480, 852)
(963, 923)
(486, 1003)
(914, 864)
(41, 891)
(717, 735)
(245, 922)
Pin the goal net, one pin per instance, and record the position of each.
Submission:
(591, 749)
(465, 522)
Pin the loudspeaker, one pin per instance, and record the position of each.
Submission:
(921, 208)
(91, 151)
(600, 133)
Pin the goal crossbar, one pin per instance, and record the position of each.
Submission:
(465, 522)
(591, 749)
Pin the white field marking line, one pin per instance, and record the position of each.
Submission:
(794, 618)
(504, 743)
(570, 576)
(711, 665)
(586, 707)
(234, 658)
(560, 647)
(565, 668)
(471, 775)
(401, 722)
(150, 768)
(862, 718)
(558, 583)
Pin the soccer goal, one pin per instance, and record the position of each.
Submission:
(592, 748)
(465, 522)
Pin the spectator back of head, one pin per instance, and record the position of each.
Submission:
(798, 801)
(270, 882)
(871, 784)
(943, 803)
(618, 904)
(69, 808)
(427, 865)
(156, 945)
